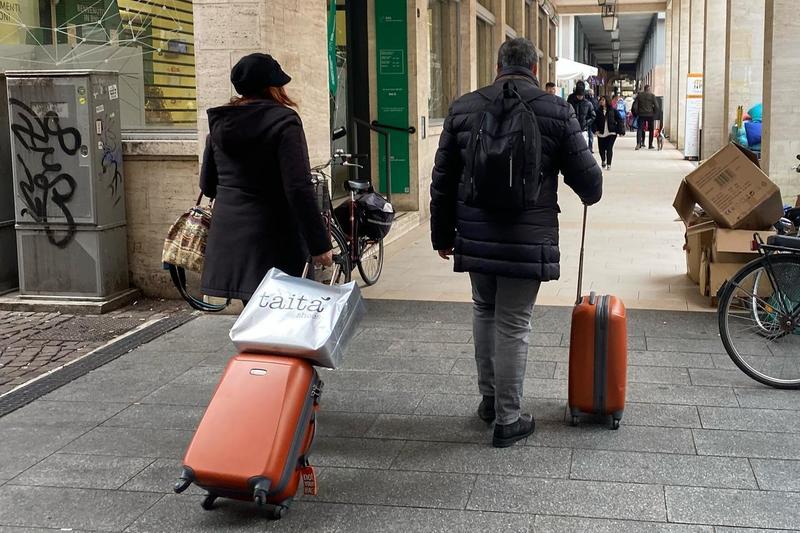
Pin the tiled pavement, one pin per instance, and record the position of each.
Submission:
(32, 344)
(701, 448)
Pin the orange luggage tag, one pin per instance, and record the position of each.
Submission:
(309, 480)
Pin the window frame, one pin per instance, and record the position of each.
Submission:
(436, 123)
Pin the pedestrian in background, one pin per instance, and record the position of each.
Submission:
(550, 87)
(507, 252)
(256, 168)
(585, 113)
(606, 126)
(646, 110)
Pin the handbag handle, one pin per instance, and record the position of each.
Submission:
(200, 199)
(336, 268)
(178, 276)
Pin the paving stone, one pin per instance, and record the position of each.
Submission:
(600, 437)
(738, 419)
(370, 401)
(546, 339)
(566, 524)
(71, 508)
(127, 442)
(417, 335)
(407, 348)
(107, 388)
(181, 513)
(722, 378)
(82, 471)
(533, 368)
(154, 416)
(747, 444)
(480, 459)
(56, 413)
(662, 469)
(685, 360)
(768, 399)
(416, 365)
(382, 381)
(681, 394)
(198, 394)
(431, 428)
(777, 475)
(466, 405)
(340, 424)
(661, 415)
(412, 489)
(541, 353)
(159, 476)
(719, 529)
(24, 446)
(550, 496)
(673, 344)
(728, 507)
(344, 518)
(355, 453)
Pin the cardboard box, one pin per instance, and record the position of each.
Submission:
(735, 245)
(732, 190)
(698, 240)
(719, 273)
(703, 280)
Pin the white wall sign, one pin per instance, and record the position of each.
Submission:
(694, 112)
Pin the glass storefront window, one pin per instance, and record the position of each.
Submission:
(486, 68)
(443, 45)
(150, 43)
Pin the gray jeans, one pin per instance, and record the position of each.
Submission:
(501, 324)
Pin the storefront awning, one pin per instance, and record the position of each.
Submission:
(566, 69)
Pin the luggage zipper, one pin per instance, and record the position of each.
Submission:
(299, 434)
(601, 354)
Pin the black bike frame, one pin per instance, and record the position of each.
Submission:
(765, 251)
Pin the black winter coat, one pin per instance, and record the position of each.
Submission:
(256, 168)
(585, 113)
(610, 117)
(517, 245)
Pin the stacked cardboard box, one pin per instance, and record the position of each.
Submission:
(723, 203)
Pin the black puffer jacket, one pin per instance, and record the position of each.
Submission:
(517, 245)
(585, 113)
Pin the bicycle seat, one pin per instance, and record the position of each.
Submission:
(784, 241)
(358, 185)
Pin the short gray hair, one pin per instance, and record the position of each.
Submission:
(518, 52)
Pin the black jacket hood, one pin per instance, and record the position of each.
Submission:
(242, 128)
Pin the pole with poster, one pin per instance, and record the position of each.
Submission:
(694, 112)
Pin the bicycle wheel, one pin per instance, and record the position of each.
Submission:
(370, 262)
(759, 320)
(341, 258)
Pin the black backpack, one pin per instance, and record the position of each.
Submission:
(503, 170)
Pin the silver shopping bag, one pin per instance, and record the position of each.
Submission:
(299, 317)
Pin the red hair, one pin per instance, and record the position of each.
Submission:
(276, 94)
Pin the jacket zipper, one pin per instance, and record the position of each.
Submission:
(510, 169)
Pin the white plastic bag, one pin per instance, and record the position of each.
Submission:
(299, 317)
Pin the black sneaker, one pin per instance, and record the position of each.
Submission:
(651, 147)
(486, 409)
(505, 436)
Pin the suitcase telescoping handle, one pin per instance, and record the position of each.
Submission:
(334, 274)
(580, 262)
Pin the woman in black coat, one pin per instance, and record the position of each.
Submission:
(256, 168)
(606, 125)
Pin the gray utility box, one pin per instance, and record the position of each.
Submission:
(68, 183)
(8, 244)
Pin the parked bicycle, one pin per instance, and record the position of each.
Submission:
(759, 309)
(352, 246)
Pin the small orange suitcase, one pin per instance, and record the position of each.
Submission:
(254, 438)
(598, 354)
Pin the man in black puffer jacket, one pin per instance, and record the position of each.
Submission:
(507, 253)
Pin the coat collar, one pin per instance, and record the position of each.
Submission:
(517, 72)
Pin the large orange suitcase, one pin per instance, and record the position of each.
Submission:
(254, 438)
(598, 354)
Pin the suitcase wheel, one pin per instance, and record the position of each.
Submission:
(574, 420)
(181, 485)
(260, 497)
(208, 502)
(278, 512)
(615, 424)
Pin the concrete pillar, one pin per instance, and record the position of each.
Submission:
(544, 74)
(744, 56)
(674, 46)
(683, 70)
(668, 70)
(294, 34)
(780, 142)
(469, 46)
(714, 129)
(696, 35)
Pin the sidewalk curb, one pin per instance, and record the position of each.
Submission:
(58, 377)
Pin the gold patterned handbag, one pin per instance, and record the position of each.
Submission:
(185, 249)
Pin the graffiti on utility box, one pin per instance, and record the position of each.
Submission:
(45, 187)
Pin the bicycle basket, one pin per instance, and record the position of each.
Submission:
(321, 192)
(375, 216)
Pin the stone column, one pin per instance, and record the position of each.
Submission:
(295, 34)
(668, 71)
(714, 129)
(683, 70)
(744, 53)
(674, 46)
(544, 75)
(469, 46)
(780, 143)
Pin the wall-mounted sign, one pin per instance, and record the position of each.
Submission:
(694, 113)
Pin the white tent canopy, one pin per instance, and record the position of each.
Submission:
(568, 70)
